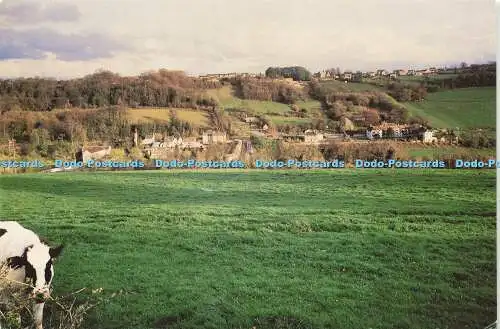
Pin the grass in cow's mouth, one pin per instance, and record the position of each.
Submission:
(402, 248)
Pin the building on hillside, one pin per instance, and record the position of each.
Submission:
(373, 133)
(148, 141)
(382, 73)
(191, 145)
(325, 75)
(92, 153)
(401, 72)
(388, 130)
(251, 119)
(313, 136)
(428, 136)
(213, 137)
(346, 76)
(172, 141)
(309, 136)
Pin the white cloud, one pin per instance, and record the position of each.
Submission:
(202, 36)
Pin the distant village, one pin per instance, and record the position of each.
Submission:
(336, 74)
(162, 145)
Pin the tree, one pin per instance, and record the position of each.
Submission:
(371, 116)
(297, 73)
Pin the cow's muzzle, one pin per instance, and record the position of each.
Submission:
(40, 295)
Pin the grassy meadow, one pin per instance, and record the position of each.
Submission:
(271, 249)
(341, 86)
(277, 112)
(195, 117)
(463, 108)
(440, 151)
(227, 100)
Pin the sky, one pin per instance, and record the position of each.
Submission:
(72, 38)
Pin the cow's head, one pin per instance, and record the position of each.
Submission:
(37, 261)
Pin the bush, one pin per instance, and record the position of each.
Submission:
(16, 306)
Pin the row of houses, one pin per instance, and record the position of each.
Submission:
(218, 76)
(350, 76)
(395, 131)
(309, 136)
(209, 137)
(383, 131)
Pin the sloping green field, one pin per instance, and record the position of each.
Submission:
(275, 111)
(463, 108)
(341, 86)
(193, 116)
(381, 249)
(227, 100)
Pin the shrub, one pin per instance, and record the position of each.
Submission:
(15, 307)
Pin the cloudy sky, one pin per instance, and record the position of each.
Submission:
(67, 38)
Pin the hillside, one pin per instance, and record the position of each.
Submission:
(463, 108)
(340, 86)
(278, 113)
(197, 118)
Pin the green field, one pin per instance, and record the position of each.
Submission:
(226, 99)
(463, 108)
(441, 151)
(275, 111)
(336, 85)
(410, 78)
(195, 117)
(271, 249)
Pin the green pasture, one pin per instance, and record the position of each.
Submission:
(463, 108)
(343, 248)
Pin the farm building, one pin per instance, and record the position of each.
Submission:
(313, 136)
(388, 130)
(92, 153)
(148, 141)
(372, 133)
(172, 141)
(428, 137)
(309, 136)
(213, 137)
(251, 120)
(192, 145)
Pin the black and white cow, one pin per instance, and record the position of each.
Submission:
(28, 258)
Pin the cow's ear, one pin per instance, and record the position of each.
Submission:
(16, 262)
(2, 231)
(55, 251)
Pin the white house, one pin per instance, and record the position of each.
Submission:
(213, 137)
(93, 153)
(374, 133)
(428, 137)
(147, 141)
(172, 141)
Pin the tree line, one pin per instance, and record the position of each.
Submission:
(36, 131)
(162, 88)
(481, 77)
(268, 90)
(337, 105)
(297, 73)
